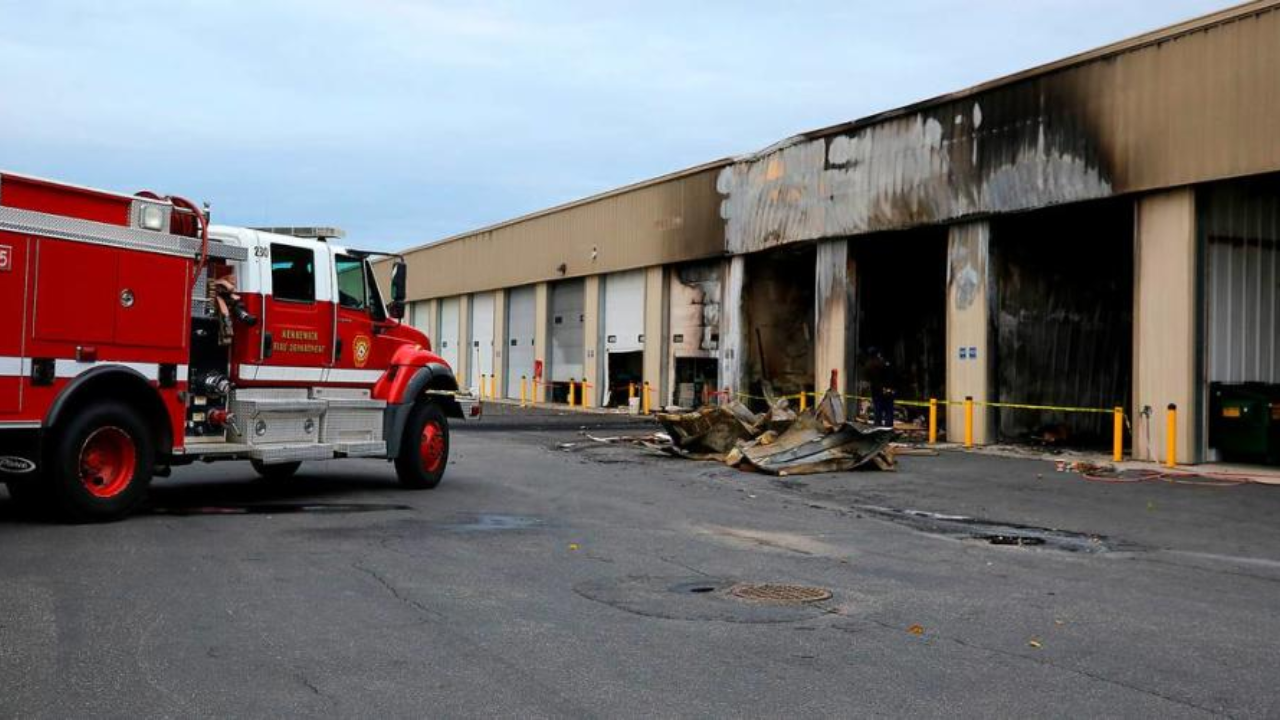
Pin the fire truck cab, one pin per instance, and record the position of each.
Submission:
(138, 338)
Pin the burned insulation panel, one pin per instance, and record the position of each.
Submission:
(1064, 320)
(779, 307)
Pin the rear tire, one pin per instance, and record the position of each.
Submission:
(277, 472)
(424, 449)
(100, 463)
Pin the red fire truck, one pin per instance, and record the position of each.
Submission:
(136, 337)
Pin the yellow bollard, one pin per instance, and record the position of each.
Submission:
(804, 401)
(524, 390)
(631, 393)
(572, 386)
(933, 421)
(483, 386)
(586, 394)
(1117, 432)
(1171, 442)
(646, 400)
(968, 422)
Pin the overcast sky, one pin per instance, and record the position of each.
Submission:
(406, 121)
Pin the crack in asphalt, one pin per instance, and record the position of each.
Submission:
(399, 596)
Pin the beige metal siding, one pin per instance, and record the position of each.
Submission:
(668, 220)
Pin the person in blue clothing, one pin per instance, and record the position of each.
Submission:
(878, 372)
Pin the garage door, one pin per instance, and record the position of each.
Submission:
(624, 311)
(447, 344)
(567, 330)
(481, 337)
(420, 317)
(520, 335)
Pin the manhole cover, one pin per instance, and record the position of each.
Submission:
(780, 594)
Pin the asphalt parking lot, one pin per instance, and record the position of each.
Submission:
(554, 576)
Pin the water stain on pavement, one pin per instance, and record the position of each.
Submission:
(994, 532)
(492, 522)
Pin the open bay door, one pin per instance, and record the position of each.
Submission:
(1240, 227)
(520, 335)
(623, 334)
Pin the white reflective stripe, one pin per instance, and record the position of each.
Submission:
(67, 368)
(282, 373)
(11, 367)
(339, 375)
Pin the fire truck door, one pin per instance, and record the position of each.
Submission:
(298, 310)
(363, 352)
(13, 298)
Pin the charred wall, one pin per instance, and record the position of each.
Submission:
(1064, 318)
(1185, 106)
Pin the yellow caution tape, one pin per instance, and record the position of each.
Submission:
(940, 402)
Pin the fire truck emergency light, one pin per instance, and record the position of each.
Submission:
(152, 218)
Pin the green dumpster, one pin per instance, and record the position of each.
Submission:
(1245, 422)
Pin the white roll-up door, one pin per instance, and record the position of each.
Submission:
(624, 311)
(448, 342)
(567, 330)
(419, 317)
(481, 346)
(521, 330)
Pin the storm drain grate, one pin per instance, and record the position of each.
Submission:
(780, 594)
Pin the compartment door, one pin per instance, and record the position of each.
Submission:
(15, 301)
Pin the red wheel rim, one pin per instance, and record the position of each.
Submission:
(107, 462)
(432, 446)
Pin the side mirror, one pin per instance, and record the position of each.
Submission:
(398, 274)
(396, 310)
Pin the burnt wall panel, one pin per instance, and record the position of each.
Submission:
(1188, 106)
(1064, 319)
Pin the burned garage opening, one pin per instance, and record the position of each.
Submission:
(901, 286)
(1063, 320)
(695, 291)
(778, 303)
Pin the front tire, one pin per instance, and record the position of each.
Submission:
(100, 464)
(424, 449)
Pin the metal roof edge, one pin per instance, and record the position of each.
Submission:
(1154, 37)
(677, 175)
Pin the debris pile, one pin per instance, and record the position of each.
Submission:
(779, 441)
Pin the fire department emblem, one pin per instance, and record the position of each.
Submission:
(361, 347)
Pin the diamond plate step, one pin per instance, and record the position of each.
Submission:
(361, 449)
(291, 452)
